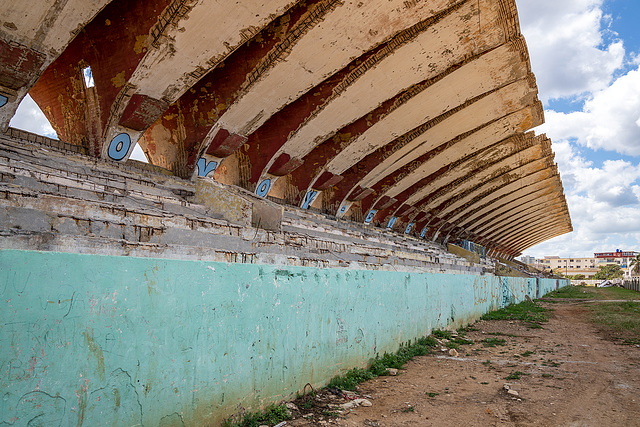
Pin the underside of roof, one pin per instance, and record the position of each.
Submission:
(411, 115)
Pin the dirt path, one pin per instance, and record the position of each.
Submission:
(570, 376)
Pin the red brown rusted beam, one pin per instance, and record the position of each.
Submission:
(473, 164)
(174, 140)
(112, 44)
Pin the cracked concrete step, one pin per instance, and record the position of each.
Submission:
(53, 200)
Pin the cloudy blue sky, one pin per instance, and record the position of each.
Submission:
(586, 57)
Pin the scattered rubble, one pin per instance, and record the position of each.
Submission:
(292, 406)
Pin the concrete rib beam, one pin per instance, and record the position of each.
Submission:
(430, 98)
(457, 206)
(538, 209)
(533, 229)
(483, 166)
(504, 169)
(497, 218)
(555, 212)
(511, 192)
(454, 33)
(34, 34)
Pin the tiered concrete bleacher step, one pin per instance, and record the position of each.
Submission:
(55, 198)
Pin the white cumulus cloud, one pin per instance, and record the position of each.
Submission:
(579, 61)
(603, 203)
(29, 117)
(569, 54)
(609, 120)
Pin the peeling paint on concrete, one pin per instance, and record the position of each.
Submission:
(329, 101)
(212, 338)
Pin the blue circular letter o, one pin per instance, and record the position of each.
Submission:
(119, 146)
(263, 188)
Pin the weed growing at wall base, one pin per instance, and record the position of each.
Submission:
(380, 365)
(442, 334)
(528, 312)
(272, 415)
(351, 379)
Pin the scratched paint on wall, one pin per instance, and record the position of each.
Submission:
(138, 340)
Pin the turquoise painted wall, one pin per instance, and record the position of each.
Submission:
(98, 340)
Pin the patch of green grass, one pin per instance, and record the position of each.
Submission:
(307, 404)
(501, 334)
(526, 311)
(588, 292)
(487, 363)
(547, 375)
(527, 353)
(441, 334)
(492, 342)
(619, 293)
(457, 342)
(515, 375)
(619, 320)
(328, 413)
(432, 394)
(574, 292)
(484, 383)
(273, 414)
(351, 378)
(409, 409)
(406, 352)
(381, 364)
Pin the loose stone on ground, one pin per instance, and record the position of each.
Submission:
(567, 374)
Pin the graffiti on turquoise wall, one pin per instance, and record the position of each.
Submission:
(84, 338)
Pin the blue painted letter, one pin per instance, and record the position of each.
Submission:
(119, 146)
(263, 188)
(205, 168)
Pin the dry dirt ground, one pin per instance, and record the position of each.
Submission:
(570, 374)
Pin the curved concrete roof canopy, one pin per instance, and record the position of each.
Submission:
(411, 115)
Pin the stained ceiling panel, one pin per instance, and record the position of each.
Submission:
(414, 116)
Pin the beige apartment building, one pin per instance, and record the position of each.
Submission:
(571, 266)
(586, 266)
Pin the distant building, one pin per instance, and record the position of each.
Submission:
(622, 258)
(527, 259)
(571, 266)
(586, 266)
